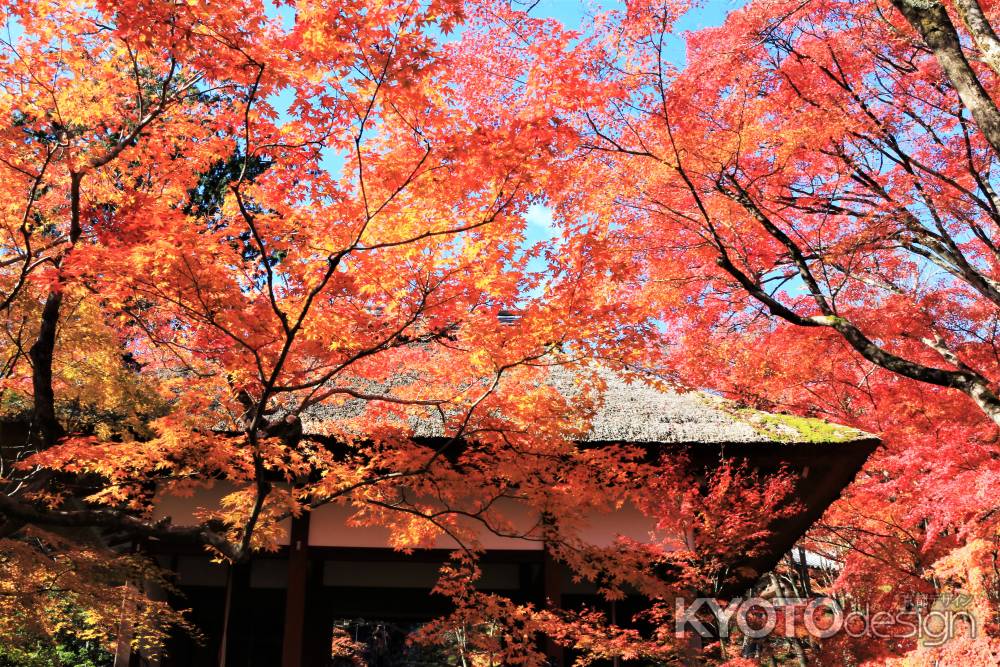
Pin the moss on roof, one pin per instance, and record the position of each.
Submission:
(793, 428)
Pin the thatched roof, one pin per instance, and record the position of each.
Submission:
(639, 412)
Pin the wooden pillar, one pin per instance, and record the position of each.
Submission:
(552, 590)
(613, 613)
(123, 647)
(319, 617)
(232, 647)
(693, 649)
(295, 599)
(132, 590)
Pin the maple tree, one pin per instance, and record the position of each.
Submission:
(216, 220)
(813, 198)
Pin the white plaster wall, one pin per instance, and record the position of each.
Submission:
(328, 524)
(183, 510)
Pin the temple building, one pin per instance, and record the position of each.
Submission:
(284, 608)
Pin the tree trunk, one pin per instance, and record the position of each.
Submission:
(931, 21)
(982, 32)
(46, 429)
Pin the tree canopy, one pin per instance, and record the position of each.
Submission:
(221, 217)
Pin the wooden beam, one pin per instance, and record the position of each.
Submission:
(295, 599)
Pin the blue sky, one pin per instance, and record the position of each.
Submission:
(705, 14)
(571, 12)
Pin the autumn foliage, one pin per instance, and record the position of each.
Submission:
(220, 219)
(813, 196)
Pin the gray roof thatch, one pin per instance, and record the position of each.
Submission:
(638, 412)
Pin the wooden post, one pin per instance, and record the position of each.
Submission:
(318, 626)
(692, 652)
(295, 599)
(124, 655)
(552, 589)
(123, 647)
(234, 620)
